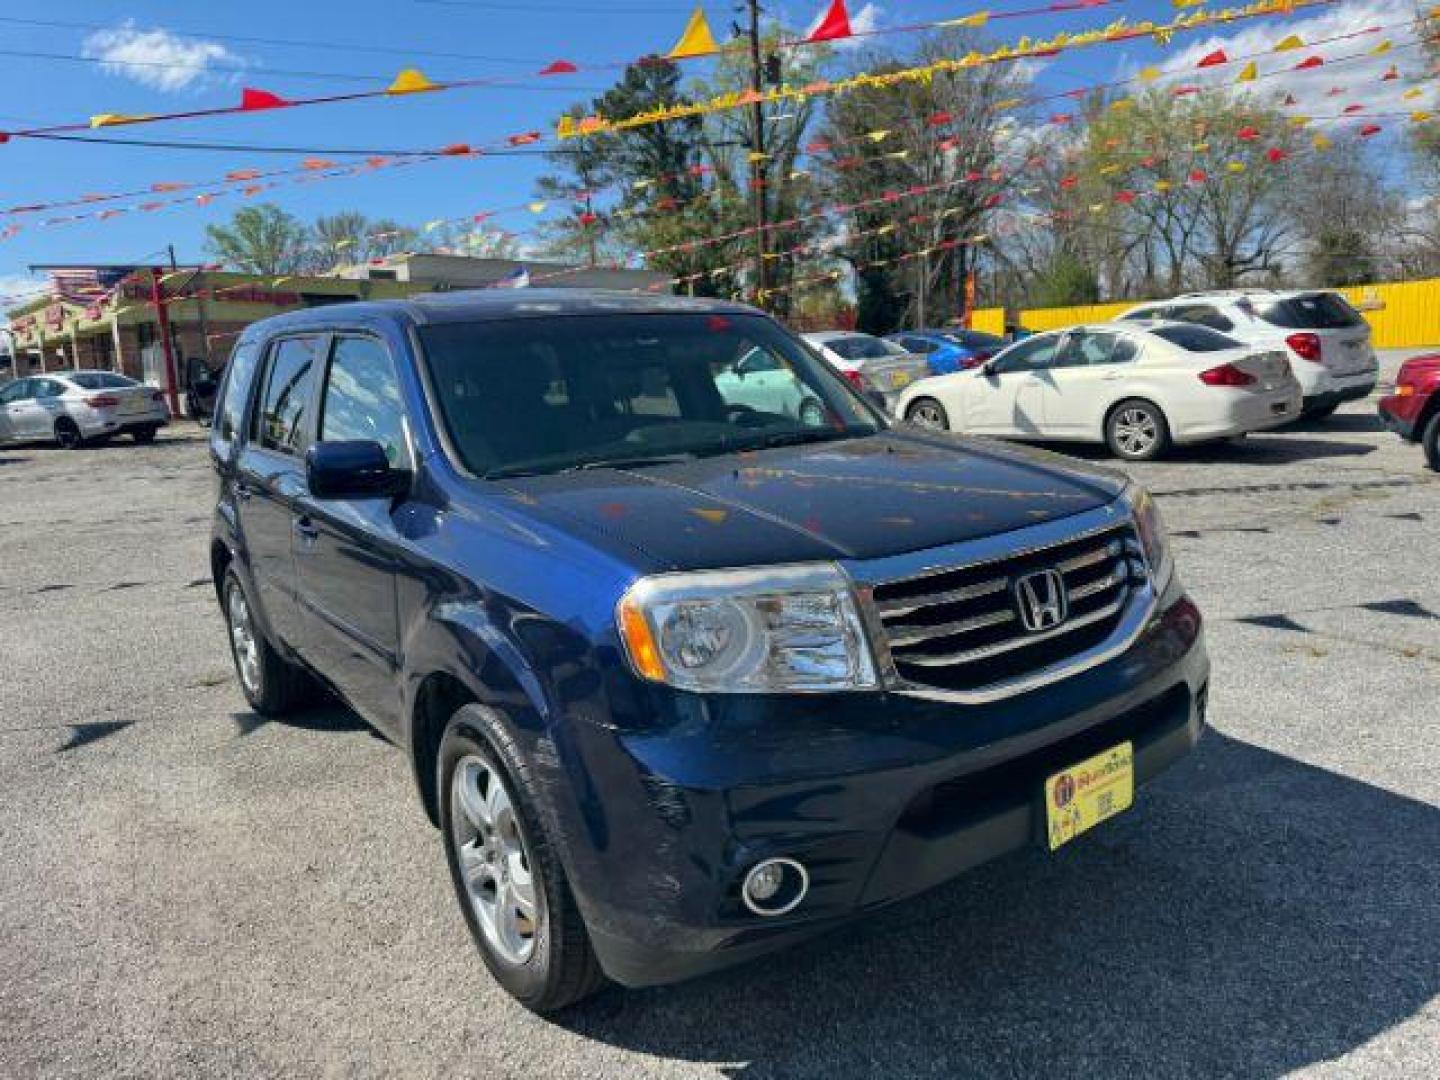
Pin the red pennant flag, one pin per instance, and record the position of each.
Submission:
(588, 218)
(458, 149)
(1369, 129)
(1312, 62)
(1214, 59)
(992, 202)
(1248, 134)
(1276, 155)
(243, 174)
(1149, 162)
(524, 139)
(1062, 118)
(1391, 75)
(252, 100)
(834, 26)
(1183, 91)
(1198, 176)
(940, 119)
(1351, 110)
(816, 147)
(1125, 198)
(559, 67)
(1068, 182)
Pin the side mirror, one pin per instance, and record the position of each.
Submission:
(353, 470)
(990, 369)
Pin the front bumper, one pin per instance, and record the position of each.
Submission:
(1402, 414)
(880, 796)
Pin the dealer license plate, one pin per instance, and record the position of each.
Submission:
(1084, 795)
(899, 379)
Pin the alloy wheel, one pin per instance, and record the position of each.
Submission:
(243, 640)
(494, 862)
(927, 414)
(1136, 431)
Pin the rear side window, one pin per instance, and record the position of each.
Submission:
(99, 380)
(1317, 311)
(280, 421)
(240, 373)
(1202, 315)
(362, 398)
(1196, 339)
(1033, 355)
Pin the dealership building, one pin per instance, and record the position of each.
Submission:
(115, 323)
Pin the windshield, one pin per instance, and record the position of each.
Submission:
(547, 395)
(1317, 311)
(864, 347)
(1199, 339)
(973, 339)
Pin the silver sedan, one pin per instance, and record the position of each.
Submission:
(73, 407)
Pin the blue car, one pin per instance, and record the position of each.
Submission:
(683, 677)
(949, 351)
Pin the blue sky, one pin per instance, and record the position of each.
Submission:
(506, 38)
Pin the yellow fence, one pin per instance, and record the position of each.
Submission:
(1404, 315)
(990, 320)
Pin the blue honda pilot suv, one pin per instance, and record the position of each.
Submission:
(693, 654)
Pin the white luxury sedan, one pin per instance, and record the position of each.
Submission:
(1139, 387)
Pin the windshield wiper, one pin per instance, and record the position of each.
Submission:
(637, 461)
(794, 438)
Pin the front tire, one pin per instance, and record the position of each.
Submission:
(506, 870)
(1430, 442)
(144, 435)
(271, 684)
(928, 413)
(1136, 430)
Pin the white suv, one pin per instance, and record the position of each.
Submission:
(1327, 339)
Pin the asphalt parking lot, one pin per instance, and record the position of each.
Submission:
(189, 890)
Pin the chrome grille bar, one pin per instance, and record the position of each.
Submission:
(969, 656)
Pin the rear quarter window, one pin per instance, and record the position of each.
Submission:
(235, 397)
(99, 380)
(1317, 311)
(1196, 339)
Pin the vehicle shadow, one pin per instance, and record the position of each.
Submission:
(327, 716)
(1342, 423)
(1253, 915)
(1268, 449)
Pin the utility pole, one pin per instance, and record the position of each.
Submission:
(757, 154)
(162, 319)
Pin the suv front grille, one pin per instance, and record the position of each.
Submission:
(962, 629)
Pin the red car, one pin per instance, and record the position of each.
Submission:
(1413, 410)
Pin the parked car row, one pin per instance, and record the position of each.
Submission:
(1201, 367)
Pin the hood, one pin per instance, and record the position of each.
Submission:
(863, 498)
(1419, 368)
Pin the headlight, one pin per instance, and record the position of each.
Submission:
(767, 630)
(1154, 541)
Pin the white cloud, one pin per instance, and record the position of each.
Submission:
(1358, 81)
(160, 59)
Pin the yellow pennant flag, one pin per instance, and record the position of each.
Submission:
(1412, 93)
(1420, 117)
(117, 119)
(1250, 73)
(1109, 170)
(1299, 121)
(538, 207)
(973, 22)
(1149, 74)
(1235, 166)
(1122, 103)
(1162, 186)
(1290, 44)
(1322, 143)
(410, 81)
(1381, 49)
(1188, 3)
(754, 158)
(877, 136)
(697, 40)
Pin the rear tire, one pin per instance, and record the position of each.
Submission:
(1430, 442)
(1136, 430)
(67, 434)
(929, 414)
(271, 684)
(502, 858)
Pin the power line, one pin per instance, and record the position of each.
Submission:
(303, 43)
(268, 148)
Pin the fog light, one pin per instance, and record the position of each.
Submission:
(775, 886)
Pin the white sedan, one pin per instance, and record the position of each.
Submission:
(1138, 388)
(72, 407)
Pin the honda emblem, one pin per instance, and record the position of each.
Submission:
(1042, 600)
